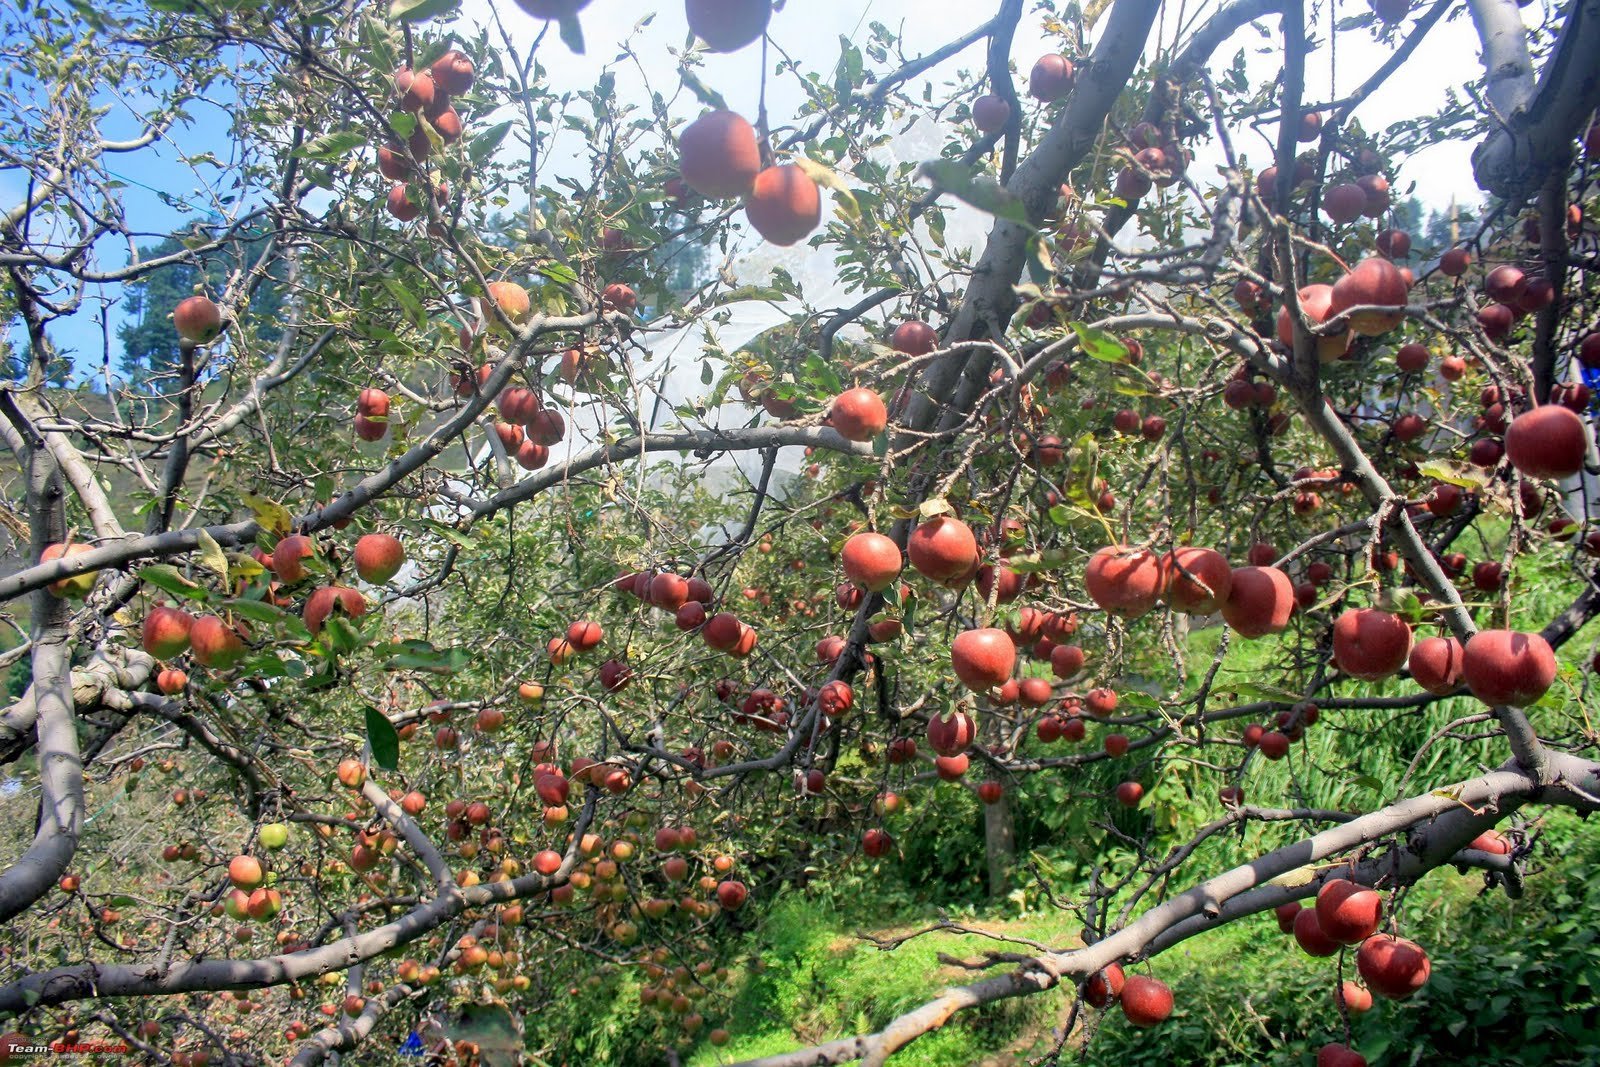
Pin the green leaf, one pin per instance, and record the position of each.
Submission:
(559, 273)
(1097, 344)
(405, 298)
(703, 92)
(750, 292)
(383, 739)
(819, 370)
(972, 187)
(257, 611)
(165, 576)
(482, 145)
(1460, 474)
(343, 636)
(417, 10)
(451, 534)
(417, 655)
(332, 146)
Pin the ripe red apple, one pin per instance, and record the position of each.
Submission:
(1316, 302)
(1129, 794)
(876, 843)
(197, 320)
(1505, 284)
(453, 72)
(1374, 282)
(1412, 358)
(983, 658)
(1344, 203)
(1198, 580)
(215, 643)
(379, 557)
(1370, 644)
(1334, 1054)
(320, 605)
(1455, 262)
(1105, 986)
(1051, 78)
(166, 631)
(1125, 581)
(1260, 601)
(1066, 660)
(1285, 914)
(731, 894)
(245, 872)
(1353, 997)
(1348, 913)
(943, 549)
(1101, 702)
(718, 155)
(990, 113)
(1492, 842)
(858, 414)
(1309, 935)
(1145, 1001)
(286, 557)
(415, 89)
(170, 682)
(871, 560)
(667, 591)
(1392, 966)
(914, 338)
(784, 205)
(615, 675)
(728, 25)
(1435, 664)
(1548, 442)
(1273, 745)
(552, 9)
(1506, 667)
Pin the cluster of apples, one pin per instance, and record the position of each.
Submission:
(1050, 81)
(1347, 915)
(1145, 1001)
(425, 95)
(168, 632)
(720, 155)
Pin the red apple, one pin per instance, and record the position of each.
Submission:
(1348, 913)
(943, 549)
(1506, 667)
(1547, 442)
(1392, 966)
(1125, 581)
(1260, 601)
(1370, 644)
(1145, 1001)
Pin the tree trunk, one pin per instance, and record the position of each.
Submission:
(999, 844)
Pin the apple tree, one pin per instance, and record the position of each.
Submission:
(448, 615)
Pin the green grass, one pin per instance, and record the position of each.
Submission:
(820, 981)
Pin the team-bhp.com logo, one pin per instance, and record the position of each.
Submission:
(13, 1047)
